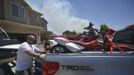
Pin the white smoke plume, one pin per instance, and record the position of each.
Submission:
(58, 13)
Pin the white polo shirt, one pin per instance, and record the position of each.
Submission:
(24, 61)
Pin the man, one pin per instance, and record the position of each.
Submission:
(103, 31)
(91, 32)
(25, 54)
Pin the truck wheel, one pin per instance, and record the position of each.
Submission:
(1, 71)
(5, 69)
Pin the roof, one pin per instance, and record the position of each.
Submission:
(43, 19)
(31, 7)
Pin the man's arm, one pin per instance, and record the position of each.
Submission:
(37, 50)
(33, 54)
(41, 51)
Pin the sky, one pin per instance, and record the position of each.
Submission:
(74, 15)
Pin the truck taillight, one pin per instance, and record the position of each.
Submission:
(50, 68)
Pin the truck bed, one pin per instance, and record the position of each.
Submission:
(90, 63)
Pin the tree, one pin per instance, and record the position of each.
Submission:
(69, 33)
(103, 27)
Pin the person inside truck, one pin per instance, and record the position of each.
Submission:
(25, 54)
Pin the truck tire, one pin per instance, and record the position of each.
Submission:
(1, 71)
(5, 69)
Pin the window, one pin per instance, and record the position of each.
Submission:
(17, 11)
(36, 17)
(125, 36)
(44, 26)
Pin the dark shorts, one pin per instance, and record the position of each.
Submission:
(24, 72)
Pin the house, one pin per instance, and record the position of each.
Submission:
(18, 19)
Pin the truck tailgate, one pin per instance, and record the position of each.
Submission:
(92, 64)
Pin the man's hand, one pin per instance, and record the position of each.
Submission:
(42, 56)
